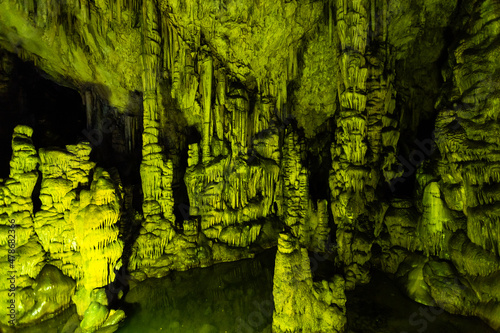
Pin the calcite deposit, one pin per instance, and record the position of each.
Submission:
(364, 131)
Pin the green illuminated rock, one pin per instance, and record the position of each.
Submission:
(21, 256)
(63, 223)
(300, 303)
(51, 293)
(262, 123)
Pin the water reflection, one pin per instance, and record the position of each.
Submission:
(228, 297)
(237, 298)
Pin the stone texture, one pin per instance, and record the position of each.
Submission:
(300, 303)
(288, 123)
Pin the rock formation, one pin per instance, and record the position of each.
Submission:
(213, 130)
(300, 303)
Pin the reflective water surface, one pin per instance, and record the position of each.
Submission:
(237, 297)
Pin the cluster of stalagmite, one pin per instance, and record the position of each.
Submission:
(63, 173)
(77, 222)
(75, 227)
(444, 246)
(467, 191)
(469, 170)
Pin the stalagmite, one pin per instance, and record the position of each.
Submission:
(206, 87)
(296, 306)
(16, 211)
(62, 224)
(156, 171)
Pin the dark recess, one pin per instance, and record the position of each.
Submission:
(55, 113)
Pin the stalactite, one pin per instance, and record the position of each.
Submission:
(206, 86)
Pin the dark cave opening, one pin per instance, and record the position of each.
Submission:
(319, 159)
(181, 198)
(376, 250)
(318, 180)
(55, 112)
(35, 196)
(323, 266)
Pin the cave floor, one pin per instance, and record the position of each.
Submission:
(237, 297)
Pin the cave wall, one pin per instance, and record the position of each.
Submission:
(252, 124)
